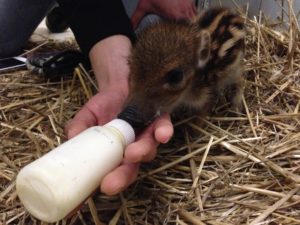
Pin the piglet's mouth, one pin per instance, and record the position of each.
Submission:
(135, 118)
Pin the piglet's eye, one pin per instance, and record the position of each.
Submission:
(174, 77)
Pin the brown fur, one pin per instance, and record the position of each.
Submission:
(176, 64)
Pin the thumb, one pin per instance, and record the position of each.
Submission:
(137, 17)
(82, 120)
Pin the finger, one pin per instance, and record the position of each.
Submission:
(194, 9)
(120, 178)
(191, 15)
(189, 12)
(83, 120)
(143, 150)
(137, 17)
(163, 129)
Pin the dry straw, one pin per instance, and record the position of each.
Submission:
(225, 169)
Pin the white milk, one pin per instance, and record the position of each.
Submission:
(55, 184)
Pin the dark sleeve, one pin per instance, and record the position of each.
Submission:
(94, 20)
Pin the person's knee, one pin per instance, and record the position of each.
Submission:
(10, 49)
(18, 19)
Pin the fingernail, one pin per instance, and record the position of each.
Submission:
(166, 141)
(115, 190)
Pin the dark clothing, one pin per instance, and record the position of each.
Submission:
(18, 19)
(94, 20)
(90, 20)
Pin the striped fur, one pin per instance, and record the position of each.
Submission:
(208, 52)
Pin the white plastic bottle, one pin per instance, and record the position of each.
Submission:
(55, 184)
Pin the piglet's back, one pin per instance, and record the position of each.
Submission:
(227, 36)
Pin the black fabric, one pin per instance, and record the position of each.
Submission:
(94, 20)
(55, 65)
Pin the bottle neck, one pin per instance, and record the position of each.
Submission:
(131, 116)
(124, 129)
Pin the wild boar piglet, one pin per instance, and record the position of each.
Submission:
(187, 64)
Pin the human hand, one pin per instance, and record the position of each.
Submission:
(169, 9)
(111, 69)
(142, 150)
(101, 109)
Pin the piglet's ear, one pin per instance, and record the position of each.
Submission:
(204, 48)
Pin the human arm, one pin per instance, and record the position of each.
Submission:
(109, 60)
(108, 44)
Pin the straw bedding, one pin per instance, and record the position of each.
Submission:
(223, 169)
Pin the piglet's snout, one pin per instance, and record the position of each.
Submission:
(139, 116)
